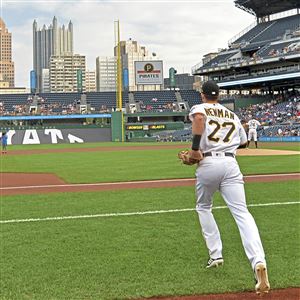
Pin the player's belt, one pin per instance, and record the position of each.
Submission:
(216, 154)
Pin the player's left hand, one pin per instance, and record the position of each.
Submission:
(190, 157)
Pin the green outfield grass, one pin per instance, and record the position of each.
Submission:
(138, 256)
(126, 165)
(264, 145)
(92, 145)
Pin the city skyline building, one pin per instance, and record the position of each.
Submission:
(48, 41)
(90, 81)
(131, 52)
(46, 80)
(63, 73)
(183, 81)
(7, 68)
(106, 73)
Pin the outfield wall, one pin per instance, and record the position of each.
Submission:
(280, 139)
(58, 136)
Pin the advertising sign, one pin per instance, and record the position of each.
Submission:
(58, 136)
(149, 72)
(146, 127)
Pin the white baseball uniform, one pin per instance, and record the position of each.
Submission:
(252, 133)
(223, 134)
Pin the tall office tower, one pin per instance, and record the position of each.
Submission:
(7, 69)
(90, 81)
(106, 74)
(64, 75)
(45, 80)
(131, 51)
(51, 40)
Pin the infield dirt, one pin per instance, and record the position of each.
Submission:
(282, 294)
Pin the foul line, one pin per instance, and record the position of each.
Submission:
(137, 213)
(130, 182)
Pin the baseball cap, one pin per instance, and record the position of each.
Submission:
(210, 88)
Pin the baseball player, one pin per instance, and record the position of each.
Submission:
(217, 133)
(252, 133)
(3, 139)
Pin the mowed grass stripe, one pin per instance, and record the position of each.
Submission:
(91, 167)
(136, 213)
(94, 145)
(90, 203)
(263, 145)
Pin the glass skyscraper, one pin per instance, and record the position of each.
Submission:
(48, 41)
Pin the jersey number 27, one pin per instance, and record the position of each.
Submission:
(218, 126)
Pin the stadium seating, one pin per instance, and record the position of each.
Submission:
(191, 96)
(155, 100)
(183, 135)
(272, 30)
(274, 112)
(253, 32)
(278, 28)
(221, 58)
(276, 49)
(101, 102)
(10, 100)
(280, 130)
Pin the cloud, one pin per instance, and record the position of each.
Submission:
(179, 32)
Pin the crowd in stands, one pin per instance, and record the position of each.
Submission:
(155, 107)
(273, 112)
(57, 108)
(43, 108)
(293, 48)
(280, 131)
(278, 117)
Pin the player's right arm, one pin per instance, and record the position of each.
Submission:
(198, 125)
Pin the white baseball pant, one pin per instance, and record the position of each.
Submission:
(224, 174)
(252, 134)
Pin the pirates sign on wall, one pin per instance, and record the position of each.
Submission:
(149, 72)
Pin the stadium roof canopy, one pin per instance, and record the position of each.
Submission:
(261, 8)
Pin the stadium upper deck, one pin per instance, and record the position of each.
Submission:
(262, 8)
(266, 54)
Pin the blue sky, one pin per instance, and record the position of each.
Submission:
(179, 31)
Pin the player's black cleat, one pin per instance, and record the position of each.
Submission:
(214, 263)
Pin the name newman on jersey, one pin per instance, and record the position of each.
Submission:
(219, 113)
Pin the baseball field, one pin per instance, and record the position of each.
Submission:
(117, 221)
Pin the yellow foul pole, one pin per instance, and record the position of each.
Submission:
(119, 68)
(119, 74)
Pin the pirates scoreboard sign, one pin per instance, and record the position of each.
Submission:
(149, 72)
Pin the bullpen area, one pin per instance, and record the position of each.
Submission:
(117, 221)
